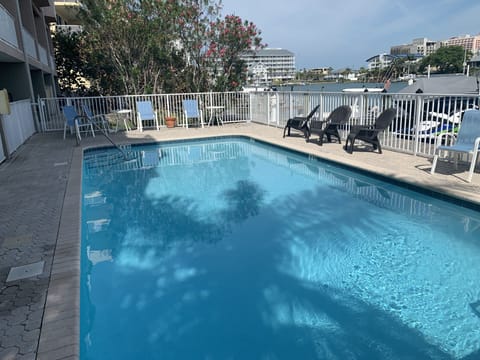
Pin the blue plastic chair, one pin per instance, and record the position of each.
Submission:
(192, 111)
(468, 141)
(76, 122)
(145, 112)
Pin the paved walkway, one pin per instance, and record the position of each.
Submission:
(39, 224)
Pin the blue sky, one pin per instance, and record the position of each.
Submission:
(344, 33)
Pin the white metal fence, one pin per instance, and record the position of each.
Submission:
(419, 119)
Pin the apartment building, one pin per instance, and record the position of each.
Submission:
(27, 66)
(67, 15)
(379, 61)
(269, 65)
(468, 42)
(419, 46)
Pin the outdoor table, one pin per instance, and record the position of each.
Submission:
(123, 115)
(215, 112)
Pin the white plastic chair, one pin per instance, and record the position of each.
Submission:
(468, 141)
(145, 112)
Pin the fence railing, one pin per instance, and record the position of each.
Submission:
(420, 118)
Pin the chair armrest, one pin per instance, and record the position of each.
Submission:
(477, 143)
(82, 119)
(439, 138)
(355, 129)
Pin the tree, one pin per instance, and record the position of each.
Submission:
(229, 38)
(69, 62)
(133, 38)
(446, 60)
(155, 46)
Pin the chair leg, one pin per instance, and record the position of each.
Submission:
(434, 164)
(472, 166)
(77, 132)
(320, 139)
(350, 140)
(64, 131)
(379, 147)
(285, 130)
(337, 135)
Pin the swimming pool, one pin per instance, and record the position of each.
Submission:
(234, 249)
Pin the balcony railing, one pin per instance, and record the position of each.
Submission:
(69, 28)
(420, 118)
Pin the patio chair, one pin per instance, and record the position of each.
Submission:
(300, 123)
(329, 127)
(191, 110)
(99, 121)
(76, 123)
(369, 134)
(468, 142)
(145, 112)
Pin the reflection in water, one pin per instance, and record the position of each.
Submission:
(232, 242)
(243, 201)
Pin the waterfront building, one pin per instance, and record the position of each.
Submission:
(27, 66)
(380, 61)
(468, 42)
(321, 71)
(419, 46)
(266, 66)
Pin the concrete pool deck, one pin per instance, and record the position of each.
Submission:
(40, 222)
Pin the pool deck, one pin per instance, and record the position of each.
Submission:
(40, 224)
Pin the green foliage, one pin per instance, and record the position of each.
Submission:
(230, 37)
(69, 62)
(446, 60)
(156, 46)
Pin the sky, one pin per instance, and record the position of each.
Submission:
(344, 33)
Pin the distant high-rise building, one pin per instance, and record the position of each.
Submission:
(419, 46)
(468, 42)
(268, 65)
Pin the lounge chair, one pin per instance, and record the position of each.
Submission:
(468, 141)
(329, 127)
(191, 110)
(369, 134)
(100, 121)
(76, 122)
(300, 123)
(145, 112)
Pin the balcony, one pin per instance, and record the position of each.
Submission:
(68, 10)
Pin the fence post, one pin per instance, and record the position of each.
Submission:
(418, 117)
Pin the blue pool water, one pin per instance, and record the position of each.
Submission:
(234, 249)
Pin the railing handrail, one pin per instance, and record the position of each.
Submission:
(408, 132)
